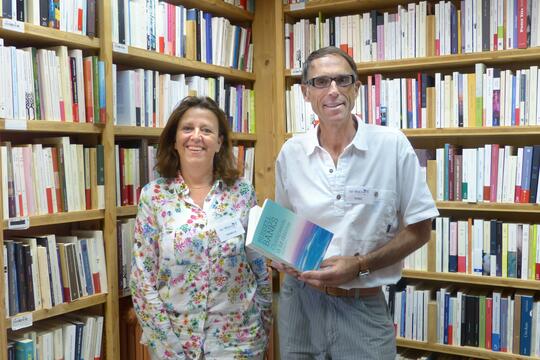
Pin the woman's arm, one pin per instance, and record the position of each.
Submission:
(150, 309)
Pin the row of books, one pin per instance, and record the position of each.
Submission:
(136, 167)
(502, 322)
(492, 173)
(47, 270)
(134, 170)
(77, 16)
(69, 337)
(147, 98)
(51, 84)
(189, 33)
(42, 179)
(487, 248)
(410, 312)
(418, 30)
(489, 97)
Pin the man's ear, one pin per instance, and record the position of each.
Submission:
(304, 92)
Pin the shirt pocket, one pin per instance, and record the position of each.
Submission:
(372, 223)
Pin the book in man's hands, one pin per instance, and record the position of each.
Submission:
(282, 236)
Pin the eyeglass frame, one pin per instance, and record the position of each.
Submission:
(311, 82)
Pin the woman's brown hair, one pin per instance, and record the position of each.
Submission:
(168, 161)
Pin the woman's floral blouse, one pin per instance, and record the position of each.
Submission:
(196, 295)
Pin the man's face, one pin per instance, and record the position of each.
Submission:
(334, 103)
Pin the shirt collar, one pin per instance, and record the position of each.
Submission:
(359, 141)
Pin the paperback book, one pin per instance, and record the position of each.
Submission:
(282, 236)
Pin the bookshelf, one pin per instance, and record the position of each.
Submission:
(427, 138)
(107, 134)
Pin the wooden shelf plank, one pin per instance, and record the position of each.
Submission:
(78, 304)
(61, 218)
(467, 351)
(492, 207)
(218, 8)
(129, 210)
(473, 132)
(136, 57)
(445, 62)
(40, 36)
(472, 279)
(137, 131)
(51, 126)
(328, 8)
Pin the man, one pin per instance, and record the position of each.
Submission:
(363, 183)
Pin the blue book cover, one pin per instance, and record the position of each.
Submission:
(281, 235)
(208, 19)
(526, 325)
(86, 265)
(24, 349)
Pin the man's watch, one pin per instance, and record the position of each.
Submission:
(363, 271)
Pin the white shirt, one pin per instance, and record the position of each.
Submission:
(376, 189)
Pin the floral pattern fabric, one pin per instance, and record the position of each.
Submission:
(198, 296)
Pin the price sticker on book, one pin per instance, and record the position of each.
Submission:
(21, 223)
(15, 124)
(296, 72)
(298, 6)
(13, 25)
(21, 321)
(120, 48)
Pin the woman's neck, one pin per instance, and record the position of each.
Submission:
(195, 179)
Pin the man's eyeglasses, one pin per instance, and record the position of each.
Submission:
(322, 82)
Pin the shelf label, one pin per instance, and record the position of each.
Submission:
(296, 72)
(15, 124)
(13, 25)
(298, 6)
(21, 321)
(20, 223)
(120, 48)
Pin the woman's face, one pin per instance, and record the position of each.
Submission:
(197, 138)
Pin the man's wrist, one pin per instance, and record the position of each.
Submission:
(363, 267)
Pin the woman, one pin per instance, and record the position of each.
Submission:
(198, 293)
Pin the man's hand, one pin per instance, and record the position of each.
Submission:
(334, 271)
(286, 269)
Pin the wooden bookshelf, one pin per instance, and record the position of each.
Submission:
(81, 303)
(445, 62)
(218, 8)
(467, 351)
(428, 139)
(62, 218)
(467, 279)
(339, 7)
(40, 36)
(129, 210)
(45, 126)
(147, 59)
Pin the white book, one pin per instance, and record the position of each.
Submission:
(477, 250)
(500, 174)
(99, 251)
(78, 55)
(49, 242)
(44, 278)
(480, 174)
(525, 252)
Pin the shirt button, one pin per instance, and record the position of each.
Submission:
(338, 197)
(331, 171)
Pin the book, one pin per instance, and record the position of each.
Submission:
(283, 236)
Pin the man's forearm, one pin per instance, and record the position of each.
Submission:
(405, 242)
